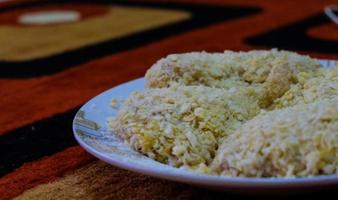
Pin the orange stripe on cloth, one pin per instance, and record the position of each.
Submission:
(42, 171)
(326, 31)
(99, 180)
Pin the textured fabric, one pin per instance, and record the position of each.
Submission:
(56, 55)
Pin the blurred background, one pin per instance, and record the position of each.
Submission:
(56, 55)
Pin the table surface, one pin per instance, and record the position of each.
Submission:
(56, 56)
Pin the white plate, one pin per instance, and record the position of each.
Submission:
(91, 131)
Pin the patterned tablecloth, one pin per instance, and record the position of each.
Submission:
(56, 55)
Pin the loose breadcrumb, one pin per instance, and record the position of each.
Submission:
(114, 103)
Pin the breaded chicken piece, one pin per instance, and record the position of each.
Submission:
(182, 125)
(295, 141)
(322, 86)
(210, 68)
(271, 73)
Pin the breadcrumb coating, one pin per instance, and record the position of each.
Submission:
(322, 86)
(294, 141)
(212, 69)
(270, 72)
(182, 125)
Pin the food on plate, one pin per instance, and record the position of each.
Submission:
(322, 86)
(271, 72)
(215, 69)
(257, 114)
(182, 125)
(294, 141)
